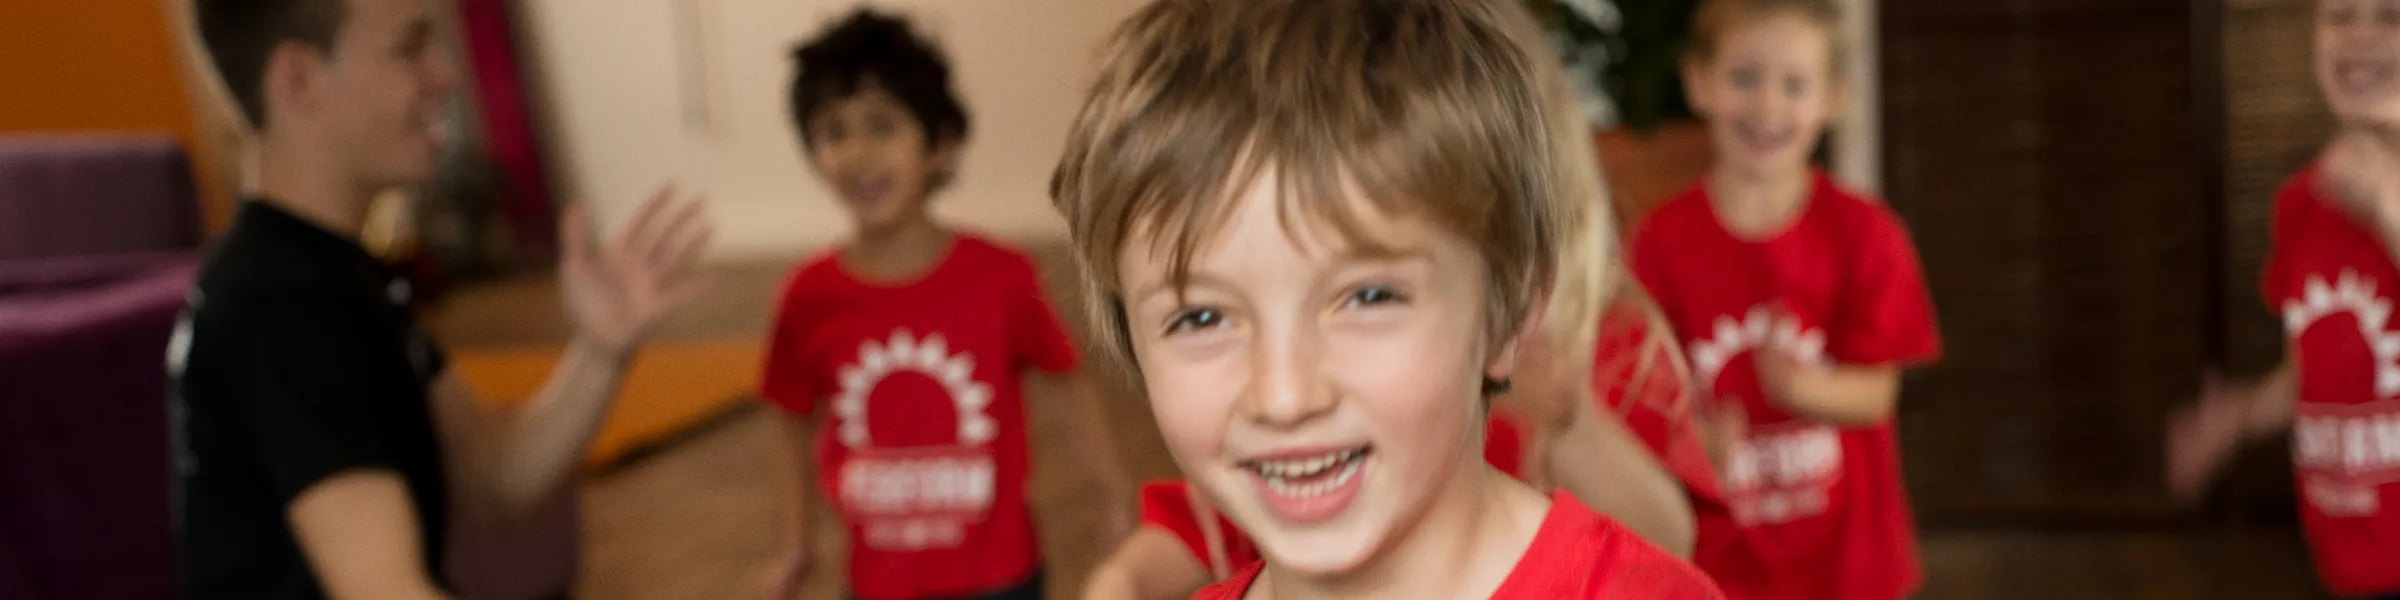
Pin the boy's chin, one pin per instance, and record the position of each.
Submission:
(2378, 113)
(1322, 553)
(1766, 166)
(877, 221)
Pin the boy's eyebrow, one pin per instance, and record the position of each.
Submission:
(1168, 285)
(1356, 253)
(1382, 253)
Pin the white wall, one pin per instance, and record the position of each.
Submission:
(622, 120)
(1858, 142)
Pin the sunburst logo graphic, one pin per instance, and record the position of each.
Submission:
(1731, 338)
(930, 357)
(2352, 294)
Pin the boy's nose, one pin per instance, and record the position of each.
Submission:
(1287, 388)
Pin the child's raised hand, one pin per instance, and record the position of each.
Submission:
(1723, 425)
(2361, 171)
(1779, 370)
(2202, 437)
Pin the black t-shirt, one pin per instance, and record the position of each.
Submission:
(296, 359)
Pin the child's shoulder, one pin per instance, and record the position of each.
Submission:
(818, 270)
(1854, 209)
(1687, 208)
(993, 264)
(2300, 189)
(988, 251)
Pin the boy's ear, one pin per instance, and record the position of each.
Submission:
(944, 159)
(1695, 88)
(1503, 364)
(1837, 98)
(290, 83)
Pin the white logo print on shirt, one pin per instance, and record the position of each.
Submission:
(2358, 297)
(919, 497)
(1758, 329)
(2344, 451)
(1779, 472)
(931, 358)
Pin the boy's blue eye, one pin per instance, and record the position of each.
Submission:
(1373, 295)
(1193, 319)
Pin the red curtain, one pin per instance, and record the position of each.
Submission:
(488, 28)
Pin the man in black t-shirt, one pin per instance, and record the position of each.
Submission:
(321, 446)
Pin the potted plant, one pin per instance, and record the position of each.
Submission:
(1624, 58)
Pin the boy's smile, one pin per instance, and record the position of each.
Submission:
(2358, 59)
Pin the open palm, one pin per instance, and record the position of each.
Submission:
(617, 291)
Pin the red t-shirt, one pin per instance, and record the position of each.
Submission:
(2333, 282)
(924, 449)
(1816, 511)
(1639, 382)
(1167, 504)
(1504, 444)
(1576, 554)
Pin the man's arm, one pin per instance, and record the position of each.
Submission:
(513, 459)
(359, 532)
(507, 461)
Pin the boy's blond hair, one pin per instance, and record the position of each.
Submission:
(1448, 110)
(1716, 17)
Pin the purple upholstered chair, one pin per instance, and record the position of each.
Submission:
(98, 243)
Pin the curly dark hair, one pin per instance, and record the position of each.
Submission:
(872, 48)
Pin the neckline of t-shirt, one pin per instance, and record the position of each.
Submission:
(1817, 188)
(1560, 520)
(1551, 535)
(950, 250)
(289, 227)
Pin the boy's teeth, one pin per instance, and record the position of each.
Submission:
(1284, 487)
(1306, 467)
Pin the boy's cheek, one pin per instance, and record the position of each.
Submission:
(1191, 411)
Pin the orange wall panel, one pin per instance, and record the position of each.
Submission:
(101, 65)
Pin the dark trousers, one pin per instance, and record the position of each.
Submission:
(1031, 589)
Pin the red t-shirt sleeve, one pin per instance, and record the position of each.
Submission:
(1166, 505)
(1655, 576)
(1035, 336)
(1646, 261)
(2290, 202)
(1639, 380)
(1504, 444)
(1886, 316)
(787, 381)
